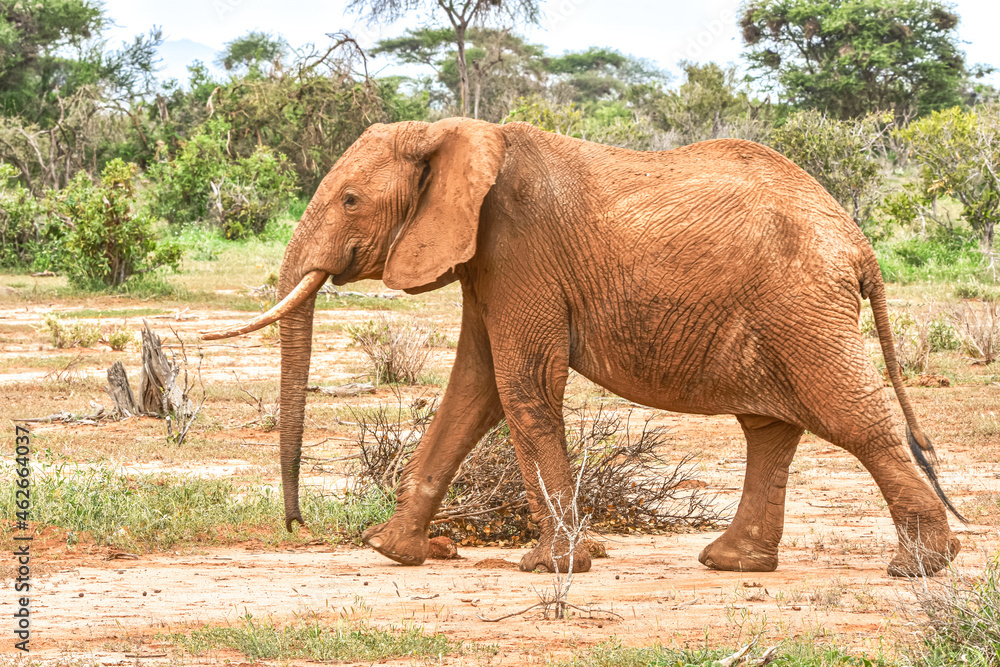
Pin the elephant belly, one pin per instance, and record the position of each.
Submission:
(670, 366)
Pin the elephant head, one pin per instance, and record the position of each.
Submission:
(402, 205)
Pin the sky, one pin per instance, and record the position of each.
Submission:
(664, 31)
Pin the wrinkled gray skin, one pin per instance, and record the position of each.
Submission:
(718, 278)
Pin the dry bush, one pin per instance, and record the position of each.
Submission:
(268, 409)
(963, 612)
(626, 486)
(398, 350)
(912, 340)
(978, 327)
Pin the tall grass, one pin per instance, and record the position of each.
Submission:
(340, 642)
(964, 616)
(157, 511)
(915, 259)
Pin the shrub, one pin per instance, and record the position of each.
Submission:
(19, 214)
(78, 334)
(912, 341)
(251, 194)
(841, 154)
(959, 156)
(626, 486)
(203, 182)
(107, 242)
(398, 352)
(963, 613)
(120, 337)
(942, 336)
(978, 330)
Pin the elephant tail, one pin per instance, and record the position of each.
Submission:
(923, 452)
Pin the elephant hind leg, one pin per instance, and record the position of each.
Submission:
(862, 422)
(750, 544)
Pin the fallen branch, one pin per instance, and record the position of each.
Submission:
(352, 389)
(67, 417)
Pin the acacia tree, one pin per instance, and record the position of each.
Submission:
(502, 66)
(848, 58)
(461, 14)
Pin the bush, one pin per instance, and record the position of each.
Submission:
(120, 337)
(107, 242)
(251, 194)
(959, 156)
(19, 215)
(941, 335)
(398, 352)
(78, 334)
(963, 612)
(841, 154)
(610, 123)
(626, 485)
(203, 182)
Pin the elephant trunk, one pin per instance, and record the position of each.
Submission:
(296, 351)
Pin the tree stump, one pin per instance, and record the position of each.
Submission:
(120, 392)
(158, 390)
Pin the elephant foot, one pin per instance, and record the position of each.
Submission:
(405, 547)
(540, 559)
(923, 559)
(738, 556)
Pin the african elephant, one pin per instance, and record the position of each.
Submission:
(717, 278)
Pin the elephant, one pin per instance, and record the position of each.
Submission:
(715, 278)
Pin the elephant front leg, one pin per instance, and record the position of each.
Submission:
(469, 409)
(750, 544)
(531, 390)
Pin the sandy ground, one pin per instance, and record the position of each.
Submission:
(831, 578)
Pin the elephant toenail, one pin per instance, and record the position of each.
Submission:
(374, 542)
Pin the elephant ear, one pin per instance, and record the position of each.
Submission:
(462, 158)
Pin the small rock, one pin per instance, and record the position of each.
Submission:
(442, 548)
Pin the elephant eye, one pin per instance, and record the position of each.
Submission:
(350, 201)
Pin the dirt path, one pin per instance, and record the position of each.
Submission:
(831, 580)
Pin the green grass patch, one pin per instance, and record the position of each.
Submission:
(796, 653)
(341, 642)
(41, 361)
(916, 259)
(157, 511)
(327, 302)
(111, 312)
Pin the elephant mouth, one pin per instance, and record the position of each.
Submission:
(309, 285)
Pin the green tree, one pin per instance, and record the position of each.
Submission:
(597, 74)
(108, 241)
(502, 66)
(63, 91)
(848, 58)
(253, 55)
(959, 156)
(460, 14)
(705, 106)
(843, 155)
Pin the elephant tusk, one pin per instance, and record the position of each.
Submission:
(309, 284)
